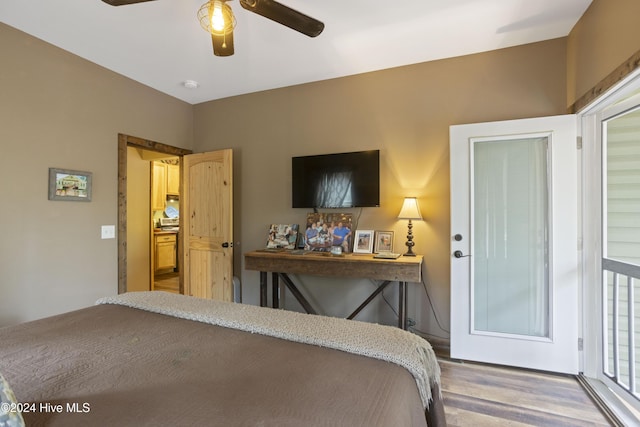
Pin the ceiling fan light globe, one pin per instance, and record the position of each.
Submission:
(217, 18)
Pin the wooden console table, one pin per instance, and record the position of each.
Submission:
(283, 263)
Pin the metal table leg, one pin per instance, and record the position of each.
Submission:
(402, 305)
(296, 293)
(368, 300)
(263, 289)
(275, 290)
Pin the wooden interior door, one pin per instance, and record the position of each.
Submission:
(207, 225)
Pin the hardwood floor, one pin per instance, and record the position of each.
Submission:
(481, 395)
(168, 282)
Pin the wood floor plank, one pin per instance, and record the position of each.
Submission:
(524, 390)
(168, 282)
(479, 395)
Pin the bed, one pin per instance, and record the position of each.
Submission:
(155, 358)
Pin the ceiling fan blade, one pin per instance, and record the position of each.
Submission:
(222, 44)
(284, 15)
(123, 2)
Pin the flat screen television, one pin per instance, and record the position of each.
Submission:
(342, 180)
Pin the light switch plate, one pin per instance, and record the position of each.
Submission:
(108, 232)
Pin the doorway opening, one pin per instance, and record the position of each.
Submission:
(125, 141)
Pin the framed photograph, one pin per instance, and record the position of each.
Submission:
(326, 230)
(65, 184)
(363, 242)
(282, 236)
(384, 242)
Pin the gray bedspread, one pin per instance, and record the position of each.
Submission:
(114, 365)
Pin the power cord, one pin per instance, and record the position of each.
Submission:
(354, 226)
(433, 310)
(410, 322)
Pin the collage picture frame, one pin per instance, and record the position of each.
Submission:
(282, 236)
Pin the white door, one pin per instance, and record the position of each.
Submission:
(514, 256)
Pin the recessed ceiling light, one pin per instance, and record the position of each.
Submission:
(190, 84)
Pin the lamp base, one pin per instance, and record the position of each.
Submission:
(409, 243)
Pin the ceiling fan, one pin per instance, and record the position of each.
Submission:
(217, 18)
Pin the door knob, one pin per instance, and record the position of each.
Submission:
(457, 237)
(226, 245)
(459, 254)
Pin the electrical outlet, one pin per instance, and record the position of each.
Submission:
(108, 232)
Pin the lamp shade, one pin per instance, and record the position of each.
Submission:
(410, 209)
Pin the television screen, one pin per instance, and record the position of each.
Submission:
(342, 180)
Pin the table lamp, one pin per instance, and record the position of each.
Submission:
(410, 211)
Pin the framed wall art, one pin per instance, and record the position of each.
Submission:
(70, 185)
(384, 242)
(363, 242)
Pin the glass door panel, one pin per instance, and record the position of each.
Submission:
(511, 235)
(621, 248)
(622, 188)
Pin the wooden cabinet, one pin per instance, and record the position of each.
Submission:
(165, 180)
(158, 186)
(173, 180)
(165, 252)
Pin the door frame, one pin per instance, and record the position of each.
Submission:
(593, 298)
(125, 141)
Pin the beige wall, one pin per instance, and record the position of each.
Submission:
(406, 113)
(605, 37)
(57, 110)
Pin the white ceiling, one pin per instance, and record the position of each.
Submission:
(161, 43)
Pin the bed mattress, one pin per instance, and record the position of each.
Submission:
(117, 365)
